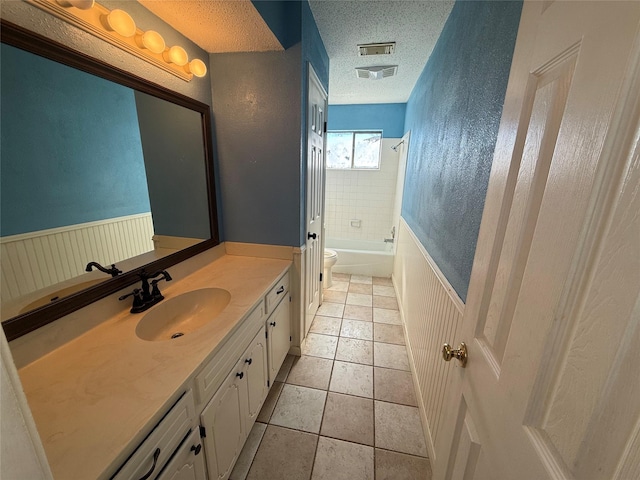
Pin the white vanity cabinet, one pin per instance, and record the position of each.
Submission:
(188, 461)
(228, 417)
(278, 338)
(255, 359)
(277, 305)
(154, 452)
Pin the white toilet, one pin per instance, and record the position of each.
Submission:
(330, 259)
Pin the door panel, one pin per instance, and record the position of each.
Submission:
(467, 446)
(314, 252)
(278, 327)
(224, 418)
(256, 372)
(552, 320)
(549, 89)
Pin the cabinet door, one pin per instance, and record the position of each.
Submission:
(255, 360)
(278, 337)
(188, 462)
(224, 420)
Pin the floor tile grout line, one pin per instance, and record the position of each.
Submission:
(373, 366)
(324, 407)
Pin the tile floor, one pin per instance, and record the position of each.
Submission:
(345, 409)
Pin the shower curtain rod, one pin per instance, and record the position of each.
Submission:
(395, 147)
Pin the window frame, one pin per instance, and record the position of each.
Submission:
(353, 150)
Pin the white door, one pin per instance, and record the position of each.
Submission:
(552, 322)
(314, 252)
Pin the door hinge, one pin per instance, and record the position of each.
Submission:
(320, 277)
(290, 338)
(325, 127)
(266, 334)
(268, 383)
(289, 298)
(203, 432)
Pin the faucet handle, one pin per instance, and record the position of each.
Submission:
(137, 293)
(139, 304)
(114, 271)
(155, 291)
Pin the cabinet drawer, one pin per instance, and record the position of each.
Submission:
(188, 462)
(165, 438)
(277, 293)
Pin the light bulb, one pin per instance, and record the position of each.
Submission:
(152, 41)
(197, 67)
(120, 22)
(176, 55)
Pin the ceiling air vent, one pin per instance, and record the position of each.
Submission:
(377, 73)
(376, 49)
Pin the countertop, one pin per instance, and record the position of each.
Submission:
(95, 398)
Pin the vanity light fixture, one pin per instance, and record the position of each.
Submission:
(120, 22)
(176, 55)
(119, 29)
(197, 67)
(151, 40)
(81, 4)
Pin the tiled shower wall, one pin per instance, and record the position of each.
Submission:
(365, 195)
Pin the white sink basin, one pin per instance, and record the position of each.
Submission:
(57, 295)
(181, 315)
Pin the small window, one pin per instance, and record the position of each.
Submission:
(354, 150)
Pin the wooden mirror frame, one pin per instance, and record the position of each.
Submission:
(27, 40)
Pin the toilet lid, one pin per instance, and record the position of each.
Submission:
(329, 253)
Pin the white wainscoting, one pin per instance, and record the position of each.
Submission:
(431, 313)
(35, 260)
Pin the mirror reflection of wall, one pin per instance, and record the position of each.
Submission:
(76, 174)
(171, 138)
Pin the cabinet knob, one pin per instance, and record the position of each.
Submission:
(240, 375)
(312, 235)
(273, 324)
(196, 449)
(248, 361)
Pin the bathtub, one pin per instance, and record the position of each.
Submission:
(362, 257)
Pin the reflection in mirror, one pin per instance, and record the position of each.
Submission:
(91, 170)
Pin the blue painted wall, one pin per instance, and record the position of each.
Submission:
(256, 115)
(282, 18)
(259, 104)
(173, 149)
(453, 114)
(388, 117)
(64, 163)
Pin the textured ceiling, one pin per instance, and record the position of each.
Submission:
(236, 26)
(414, 25)
(217, 26)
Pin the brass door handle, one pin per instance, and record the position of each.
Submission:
(461, 353)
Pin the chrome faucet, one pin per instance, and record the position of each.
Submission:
(113, 271)
(393, 236)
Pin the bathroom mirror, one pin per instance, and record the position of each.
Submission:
(97, 165)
